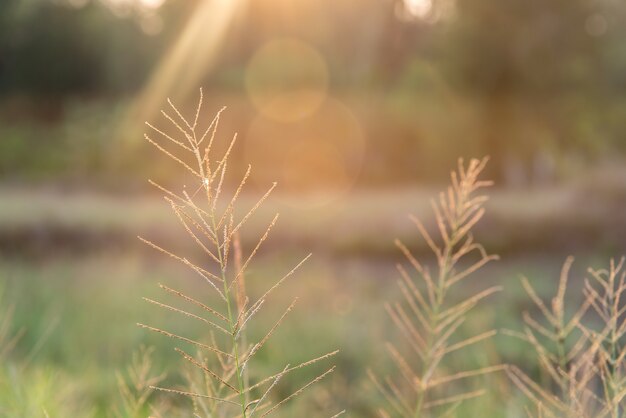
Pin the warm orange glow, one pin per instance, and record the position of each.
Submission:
(320, 156)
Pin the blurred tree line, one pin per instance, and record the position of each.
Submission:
(545, 77)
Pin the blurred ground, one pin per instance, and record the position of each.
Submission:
(583, 216)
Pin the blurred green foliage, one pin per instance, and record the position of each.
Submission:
(523, 80)
(81, 315)
(53, 50)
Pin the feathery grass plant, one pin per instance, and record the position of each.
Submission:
(426, 318)
(225, 358)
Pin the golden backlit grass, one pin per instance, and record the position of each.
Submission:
(225, 358)
(426, 319)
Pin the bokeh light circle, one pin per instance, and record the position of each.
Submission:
(287, 80)
(317, 158)
(596, 25)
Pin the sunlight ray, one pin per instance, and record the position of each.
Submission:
(189, 59)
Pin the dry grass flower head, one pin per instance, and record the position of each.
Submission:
(207, 213)
(426, 318)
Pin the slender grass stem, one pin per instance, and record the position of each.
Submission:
(213, 231)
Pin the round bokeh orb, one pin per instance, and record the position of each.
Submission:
(286, 80)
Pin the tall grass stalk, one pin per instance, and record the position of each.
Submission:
(136, 384)
(583, 354)
(209, 218)
(426, 317)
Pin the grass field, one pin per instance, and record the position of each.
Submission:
(75, 276)
(79, 316)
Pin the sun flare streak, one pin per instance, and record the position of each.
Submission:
(189, 59)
